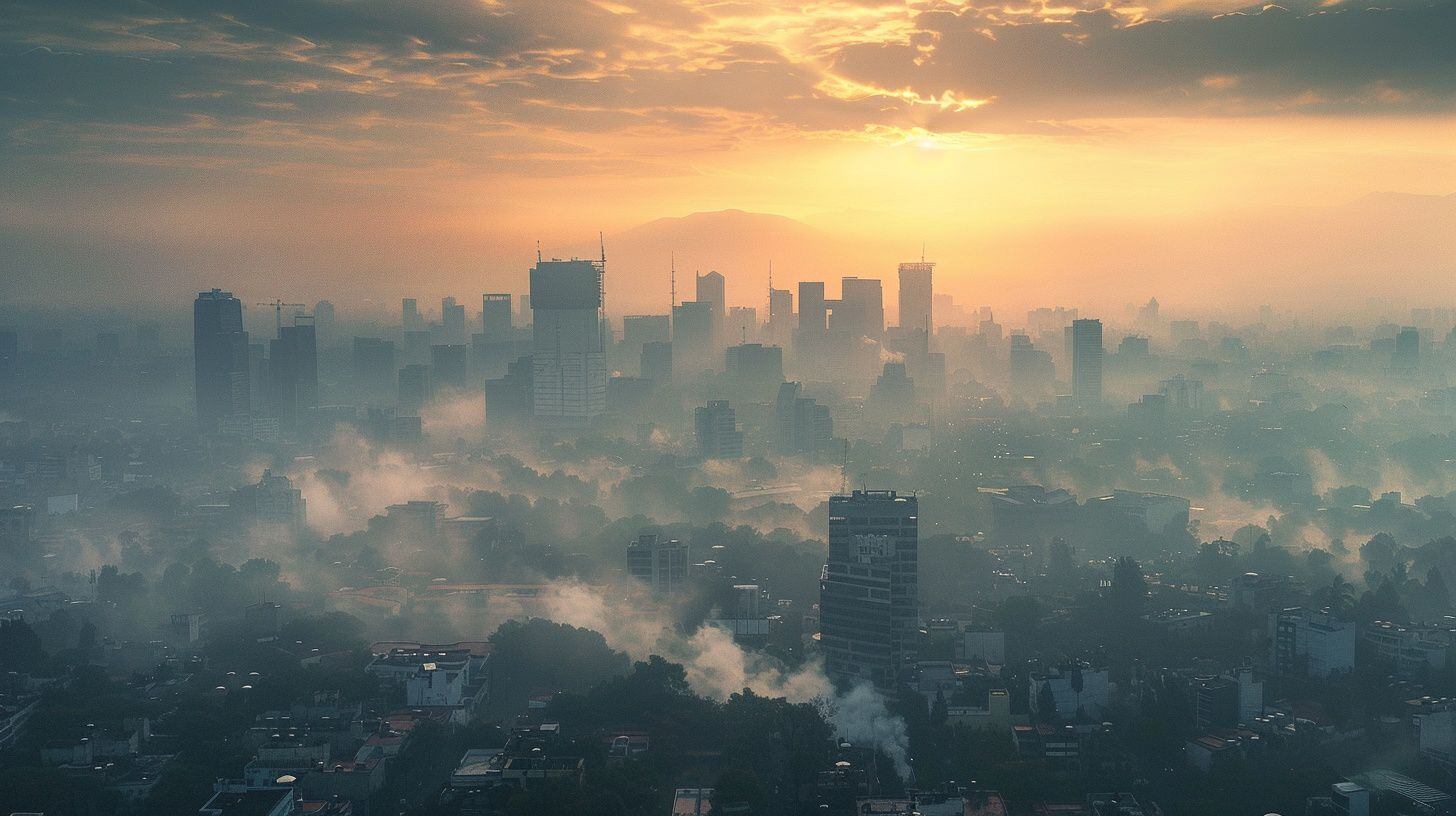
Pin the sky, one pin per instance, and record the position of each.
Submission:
(1041, 150)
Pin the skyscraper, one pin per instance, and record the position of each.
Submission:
(692, 335)
(813, 309)
(410, 317)
(1087, 362)
(568, 358)
(415, 389)
(293, 364)
(1407, 355)
(916, 295)
(711, 291)
(716, 428)
(860, 310)
(869, 596)
(448, 366)
(780, 316)
(220, 357)
(452, 321)
(495, 317)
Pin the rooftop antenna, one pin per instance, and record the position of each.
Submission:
(538, 251)
(672, 279)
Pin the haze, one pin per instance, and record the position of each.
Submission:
(1206, 151)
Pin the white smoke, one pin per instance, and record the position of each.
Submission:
(717, 667)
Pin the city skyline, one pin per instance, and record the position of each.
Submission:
(1190, 150)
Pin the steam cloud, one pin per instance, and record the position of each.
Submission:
(716, 667)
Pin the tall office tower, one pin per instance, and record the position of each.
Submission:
(711, 290)
(692, 335)
(1031, 371)
(656, 361)
(742, 325)
(754, 369)
(323, 322)
(508, 398)
(568, 357)
(497, 322)
(415, 389)
(916, 296)
(1087, 361)
(448, 367)
(660, 564)
(1407, 355)
(802, 425)
(716, 428)
(410, 317)
(869, 597)
(780, 316)
(293, 364)
(374, 365)
(813, 308)
(452, 321)
(860, 310)
(220, 357)
(639, 329)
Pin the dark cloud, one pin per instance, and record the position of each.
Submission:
(1386, 61)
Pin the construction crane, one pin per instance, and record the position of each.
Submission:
(278, 312)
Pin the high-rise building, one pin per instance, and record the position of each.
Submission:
(452, 321)
(711, 290)
(1031, 371)
(657, 361)
(220, 357)
(448, 366)
(293, 366)
(869, 595)
(568, 357)
(860, 310)
(508, 398)
(1407, 355)
(497, 322)
(780, 316)
(916, 295)
(275, 501)
(1310, 643)
(755, 369)
(742, 324)
(813, 308)
(639, 330)
(716, 428)
(415, 389)
(374, 365)
(660, 564)
(410, 317)
(1086, 362)
(323, 322)
(692, 335)
(802, 425)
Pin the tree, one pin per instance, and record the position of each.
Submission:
(1338, 596)
(1436, 592)
(738, 786)
(939, 711)
(1046, 703)
(1129, 588)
